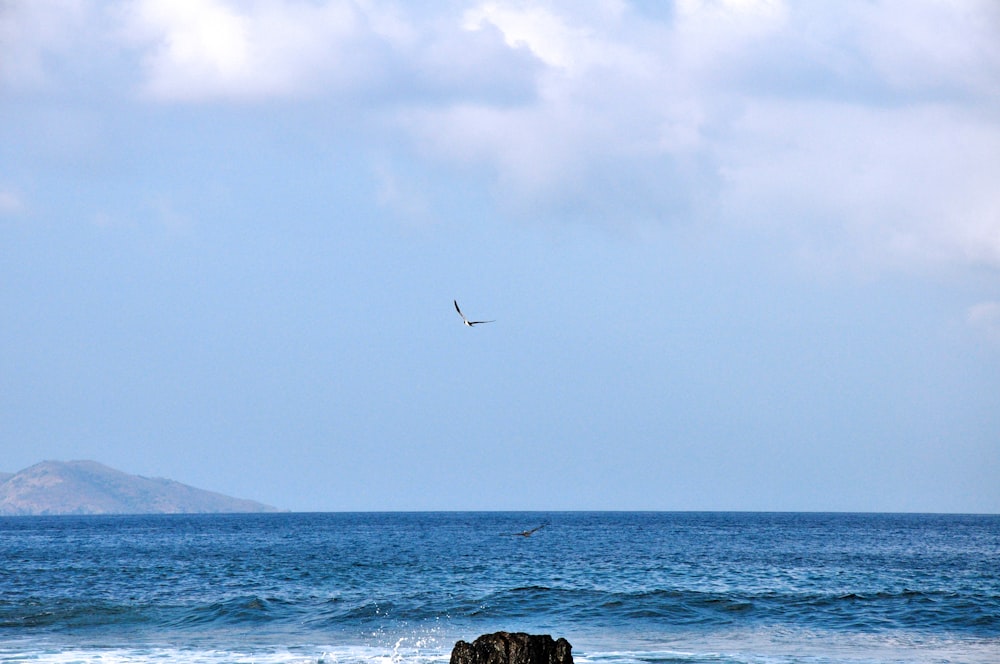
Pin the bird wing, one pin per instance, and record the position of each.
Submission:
(477, 322)
(458, 310)
(529, 533)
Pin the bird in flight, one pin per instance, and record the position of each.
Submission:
(529, 533)
(465, 320)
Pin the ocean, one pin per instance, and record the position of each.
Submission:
(402, 588)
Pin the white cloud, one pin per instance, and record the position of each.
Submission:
(710, 30)
(874, 125)
(32, 33)
(210, 49)
(273, 49)
(557, 40)
(932, 46)
(908, 184)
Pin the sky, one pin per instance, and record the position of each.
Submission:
(741, 254)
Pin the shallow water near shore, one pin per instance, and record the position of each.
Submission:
(624, 588)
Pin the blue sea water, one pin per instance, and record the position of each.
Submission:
(401, 588)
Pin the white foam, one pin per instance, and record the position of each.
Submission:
(739, 647)
(762, 646)
(401, 653)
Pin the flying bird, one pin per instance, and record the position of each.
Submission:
(465, 320)
(529, 533)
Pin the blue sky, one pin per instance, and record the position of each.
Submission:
(742, 254)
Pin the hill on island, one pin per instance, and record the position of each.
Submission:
(88, 487)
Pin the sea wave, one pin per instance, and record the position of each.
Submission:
(667, 607)
(628, 588)
(904, 609)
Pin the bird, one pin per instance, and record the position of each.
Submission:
(529, 533)
(469, 323)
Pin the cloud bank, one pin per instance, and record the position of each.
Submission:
(205, 51)
(873, 127)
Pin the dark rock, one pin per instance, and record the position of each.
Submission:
(513, 648)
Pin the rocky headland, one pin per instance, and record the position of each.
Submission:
(88, 487)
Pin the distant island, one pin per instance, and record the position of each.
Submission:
(88, 487)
